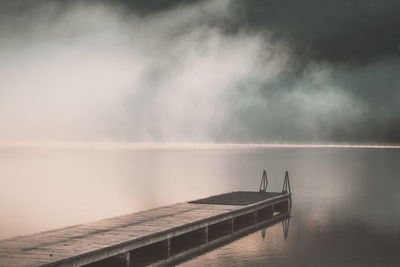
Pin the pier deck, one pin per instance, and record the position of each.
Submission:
(88, 243)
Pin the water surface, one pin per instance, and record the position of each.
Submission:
(346, 209)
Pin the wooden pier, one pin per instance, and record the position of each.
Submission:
(163, 233)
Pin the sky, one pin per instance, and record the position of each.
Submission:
(224, 71)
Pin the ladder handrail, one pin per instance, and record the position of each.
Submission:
(264, 182)
(286, 184)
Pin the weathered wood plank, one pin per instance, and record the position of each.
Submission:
(113, 235)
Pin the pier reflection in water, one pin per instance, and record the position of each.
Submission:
(198, 242)
(285, 228)
(345, 209)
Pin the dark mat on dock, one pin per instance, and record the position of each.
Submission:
(237, 198)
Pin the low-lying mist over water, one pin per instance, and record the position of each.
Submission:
(197, 71)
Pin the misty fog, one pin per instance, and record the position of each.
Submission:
(95, 72)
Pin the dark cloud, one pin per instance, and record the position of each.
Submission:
(353, 31)
(356, 31)
(226, 71)
(338, 31)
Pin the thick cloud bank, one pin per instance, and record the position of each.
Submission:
(96, 72)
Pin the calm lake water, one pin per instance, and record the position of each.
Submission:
(346, 203)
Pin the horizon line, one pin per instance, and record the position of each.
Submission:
(185, 145)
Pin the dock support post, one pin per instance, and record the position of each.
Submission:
(206, 234)
(127, 259)
(168, 248)
(253, 218)
(232, 225)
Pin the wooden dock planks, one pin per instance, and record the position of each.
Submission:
(109, 236)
